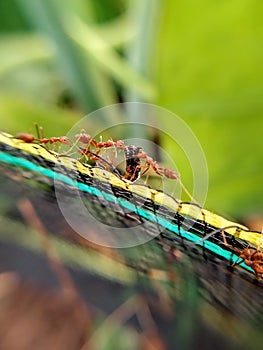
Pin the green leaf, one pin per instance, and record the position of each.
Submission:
(31, 48)
(208, 70)
(19, 115)
(98, 49)
(46, 16)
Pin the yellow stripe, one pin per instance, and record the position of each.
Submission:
(239, 231)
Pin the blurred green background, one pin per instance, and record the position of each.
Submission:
(200, 59)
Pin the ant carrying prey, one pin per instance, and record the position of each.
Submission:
(133, 157)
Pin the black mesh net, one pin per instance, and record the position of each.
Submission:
(168, 271)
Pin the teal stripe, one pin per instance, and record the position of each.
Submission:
(26, 164)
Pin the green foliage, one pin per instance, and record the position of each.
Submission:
(12, 19)
(209, 73)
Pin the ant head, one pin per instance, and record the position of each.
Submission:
(120, 144)
(142, 154)
(64, 140)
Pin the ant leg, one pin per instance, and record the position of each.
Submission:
(41, 131)
(156, 167)
(187, 192)
(74, 145)
(78, 138)
(147, 167)
(171, 174)
(227, 245)
(147, 177)
(174, 189)
(115, 149)
(98, 151)
(235, 263)
(40, 135)
(59, 145)
(83, 154)
(107, 165)
(224, 238)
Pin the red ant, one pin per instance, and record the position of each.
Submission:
(29, 138)
(167, 172)
(250, 256)
(89, 141)
(253, 258)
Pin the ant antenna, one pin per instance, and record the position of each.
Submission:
(37, 130)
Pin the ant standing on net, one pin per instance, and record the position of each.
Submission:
(30, 138)
(252, 257)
